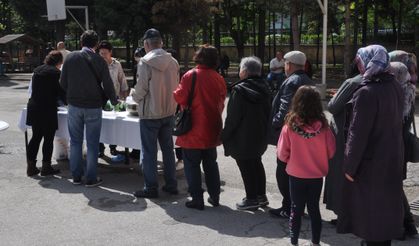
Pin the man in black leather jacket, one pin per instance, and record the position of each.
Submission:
(296, 77)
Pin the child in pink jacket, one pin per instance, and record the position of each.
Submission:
(306, 144)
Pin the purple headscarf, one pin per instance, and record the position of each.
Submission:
(372, 60)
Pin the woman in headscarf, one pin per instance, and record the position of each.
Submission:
(402, 75)
(372, 202)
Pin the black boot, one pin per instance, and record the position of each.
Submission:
(47, 169)
(31, 169)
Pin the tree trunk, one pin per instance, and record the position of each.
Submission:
(294, 25)
(365, 22)
(356, 27)
(375, 21)
(333, 49)
(186, 54)
(261, 33)
(301, 22)
(274, 31)
(254, 30)
(399, 27)
(127, 48)
(217, 36)
(176, 42)
(417, 39)
(347, 50)
(270, 37)
(393, 22)
(318, 39)
(59, 30)
(205, 34)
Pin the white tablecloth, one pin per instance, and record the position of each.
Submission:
(118, 128)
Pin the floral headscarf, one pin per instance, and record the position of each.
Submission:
(407, 59)
(372, 60)
(402, 76)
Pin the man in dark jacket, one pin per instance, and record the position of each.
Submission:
(84, 73)
(246, 127)
(296, 77)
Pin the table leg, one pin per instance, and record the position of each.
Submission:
(126, 156)
(26, 144)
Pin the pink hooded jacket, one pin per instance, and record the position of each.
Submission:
(306, 150)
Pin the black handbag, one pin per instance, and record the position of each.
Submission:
(412, 145)
(183, 117)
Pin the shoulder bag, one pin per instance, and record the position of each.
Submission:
(183, 118)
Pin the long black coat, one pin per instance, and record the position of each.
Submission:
(46, 90)
(372, 205)
(334, 179)
(246, 126)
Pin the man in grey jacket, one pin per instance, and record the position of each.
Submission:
(86, 80)
(157, 78)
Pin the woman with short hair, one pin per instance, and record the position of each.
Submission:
(42, 113)
(245, 131)
(199, 144)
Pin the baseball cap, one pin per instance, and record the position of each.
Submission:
(151, 33)
(296, 57)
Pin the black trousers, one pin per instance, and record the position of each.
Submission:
(40, 132)
(254, 178)
(282, 178)
(305, 191)
(192, 159)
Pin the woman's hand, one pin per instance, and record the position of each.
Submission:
(349, 177)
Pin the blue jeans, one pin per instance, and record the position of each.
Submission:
(192, 160)
(151, 131)
(78, 119)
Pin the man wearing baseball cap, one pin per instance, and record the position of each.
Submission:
(157, 78)
(296, 77)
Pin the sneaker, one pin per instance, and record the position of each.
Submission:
(117, 158)
(263, 201)
(171, 191)
(135, 154)
(195, 204)
(46, 171)
(280, 213)
(101, 154)
(215, 202)
(146, 194)
(94, 183)
(248, 204)
(77, 181)
(114, 152)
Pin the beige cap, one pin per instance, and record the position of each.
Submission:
(296, 57)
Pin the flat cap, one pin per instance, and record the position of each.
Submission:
(296, 57)
(151, 33)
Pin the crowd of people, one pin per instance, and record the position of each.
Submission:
(360, 153)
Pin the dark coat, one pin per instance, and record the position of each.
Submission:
(79, 80)
(334, 179)
(282, 102)
(246, 125)
(372, 205)
(46, 91)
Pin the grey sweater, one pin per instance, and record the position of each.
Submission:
(79, 81)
